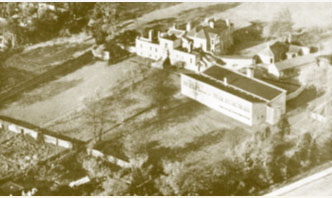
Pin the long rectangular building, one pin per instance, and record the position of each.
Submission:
(243, 98)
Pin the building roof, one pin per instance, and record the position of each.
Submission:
(197, 32)
(221, 86)
(235, 57)
(295, 62)
(267, 52)
(294, 49)
(176, 32)
(170, 37)
(253, 86)
(205, 31)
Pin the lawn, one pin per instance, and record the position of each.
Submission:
(186, 131)
(64, 95)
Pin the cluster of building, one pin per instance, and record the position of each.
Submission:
(202, 49)
(188, 47)
(283, 58)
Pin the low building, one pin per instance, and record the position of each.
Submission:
(280, 51)
(291, 67)
(236, 61)
(244, 98)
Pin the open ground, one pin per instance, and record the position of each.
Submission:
(186, 130)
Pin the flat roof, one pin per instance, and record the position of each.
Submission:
(243, 82)
(221, 86)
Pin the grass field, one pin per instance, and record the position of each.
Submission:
(65, 95)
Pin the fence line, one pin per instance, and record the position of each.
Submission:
(21, 127)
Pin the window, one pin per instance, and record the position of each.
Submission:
(150, 48)
(141, 45)
(191, 60)
(156, 50)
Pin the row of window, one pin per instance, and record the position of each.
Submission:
(197, 88)
(150, 48)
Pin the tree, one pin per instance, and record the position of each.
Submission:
(281, 26)
(97, 115)
(160, 90)
(105, 16)
(136, 180)
(284, 126)
(114, 186)
(318, 77)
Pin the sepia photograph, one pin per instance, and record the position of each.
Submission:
(163, 98)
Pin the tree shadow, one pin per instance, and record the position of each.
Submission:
(248, 36)
(52, 90)
(302, 100)
(156, 152)
(41, 80)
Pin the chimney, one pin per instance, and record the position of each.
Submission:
(225, 81)
(189, 47)
(250, 72)
(159, 35)
(268, 46)
(289, 38)
(188, 27)
(150, 34)
(228, 23)
(174, 26)
(206, 20)
(211, 23)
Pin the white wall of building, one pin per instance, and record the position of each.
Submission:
(189, 59)
(266, 59)
(14, 128)
(272, 69)
(217, 99)
(148, 50)
(199, 43)
(237, 62)
(32, 133)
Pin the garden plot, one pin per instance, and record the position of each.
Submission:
(19, 152)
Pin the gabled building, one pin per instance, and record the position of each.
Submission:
(214, 36)
(283, 58)
(186, 46)
(241, 97)
(291, 67)
(280, 51)
(168, 46)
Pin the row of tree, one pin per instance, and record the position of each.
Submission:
(267, 158)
